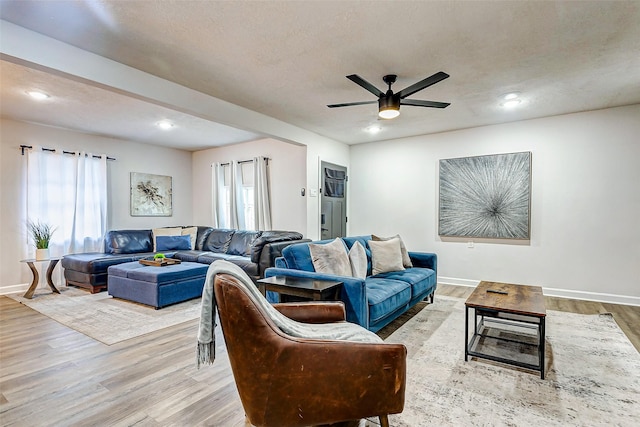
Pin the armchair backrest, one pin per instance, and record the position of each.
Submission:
(290, 381)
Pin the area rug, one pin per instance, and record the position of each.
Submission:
(107, 319)
(592, 375)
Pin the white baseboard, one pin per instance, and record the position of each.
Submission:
(14, 289)
(554, 292)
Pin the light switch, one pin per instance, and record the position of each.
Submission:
(313, 192)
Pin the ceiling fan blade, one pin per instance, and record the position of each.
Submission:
(422, 84)
(348, 104)
(418, 103)
(365, 84)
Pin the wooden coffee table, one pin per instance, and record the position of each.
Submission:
(503, 303)
(316, 290)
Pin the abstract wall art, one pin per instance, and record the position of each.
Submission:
(486, 196)
(150, 195)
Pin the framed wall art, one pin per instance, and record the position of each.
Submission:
(150, 195)
(486, 196)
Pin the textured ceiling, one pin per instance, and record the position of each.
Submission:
(288, 60)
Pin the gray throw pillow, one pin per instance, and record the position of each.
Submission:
(358, 259)
(406, 261)
(330, 258)
(386, 256)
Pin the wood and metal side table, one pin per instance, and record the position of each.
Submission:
(36, 276)
(507, 304)
(317, 290)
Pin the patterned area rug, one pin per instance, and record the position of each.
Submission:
(592, 375)
(104, 318)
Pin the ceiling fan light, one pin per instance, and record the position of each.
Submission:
(389, 107)
(388, 113)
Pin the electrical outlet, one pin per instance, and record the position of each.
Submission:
(470, 244)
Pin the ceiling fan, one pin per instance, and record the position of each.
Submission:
(389, 103)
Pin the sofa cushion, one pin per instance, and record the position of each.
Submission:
(201, 237)
(420, 279)
(298, 256)
(271, 236)
(189, 256)
(128, 241)
(93, 262)
(350, 241)
(251, 268)
(160, 275)
(241, 242)
(330, 258)
(385, 256)
(192, 232)
(406, 260)
(385, 296)
(358, 261)
(218, 240)
(165, 231)
(173, 243)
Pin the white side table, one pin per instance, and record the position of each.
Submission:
(36, 276)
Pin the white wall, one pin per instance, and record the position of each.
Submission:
(585, 208)
(287, 167)
(130, 157)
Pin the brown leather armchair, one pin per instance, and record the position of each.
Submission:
(289, 381)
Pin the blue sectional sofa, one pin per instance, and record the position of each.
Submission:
(372, 302)
(253, 251)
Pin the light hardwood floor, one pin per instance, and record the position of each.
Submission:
(51, 375)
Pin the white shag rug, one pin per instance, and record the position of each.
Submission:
(106, 319)
(592, 375)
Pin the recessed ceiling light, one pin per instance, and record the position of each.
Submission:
(510, 96)
(511, 103)
(373, 129)
(164, 125)
(40, 96)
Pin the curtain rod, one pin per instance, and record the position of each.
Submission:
(266, 159)
(53, 150)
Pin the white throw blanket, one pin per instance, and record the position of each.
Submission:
(325, 331)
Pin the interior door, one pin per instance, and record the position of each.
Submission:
(333, 200)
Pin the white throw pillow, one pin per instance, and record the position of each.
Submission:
(171, 231)
(192, 232)
(358, 260)
(330, 258)
(385, 256)
(406, 260)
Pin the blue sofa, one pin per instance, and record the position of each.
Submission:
(253, 251)
(372, 302)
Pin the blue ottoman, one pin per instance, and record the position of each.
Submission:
(157, 286)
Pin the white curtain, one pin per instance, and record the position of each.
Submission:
(238, 209)
(68, 192)
(240, 195)
(217, 208)
(262, 200)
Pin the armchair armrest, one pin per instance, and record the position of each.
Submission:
(313, 312)
(353, 294)
(424, 260)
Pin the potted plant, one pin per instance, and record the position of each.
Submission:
(41, 233)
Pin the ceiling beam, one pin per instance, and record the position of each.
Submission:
(34, 50)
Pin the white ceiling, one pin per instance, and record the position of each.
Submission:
(289, 59)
